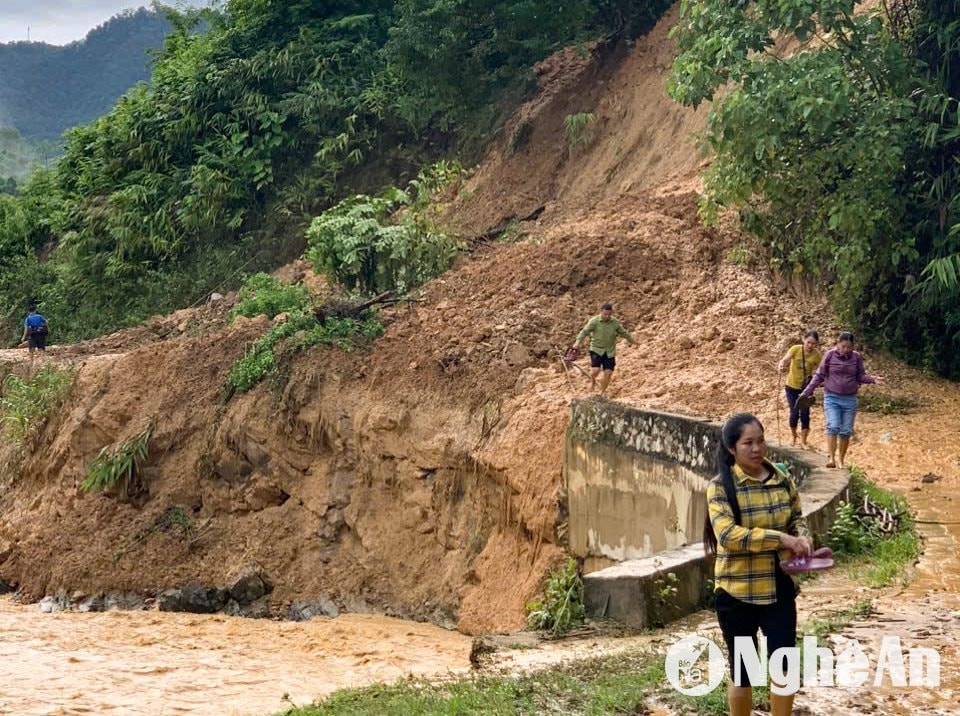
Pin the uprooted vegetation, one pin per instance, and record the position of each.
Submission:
(299, 331)
(874, 533)
(119, 468)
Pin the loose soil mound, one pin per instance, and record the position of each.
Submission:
(639, 138)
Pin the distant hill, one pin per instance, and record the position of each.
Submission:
(45, 89)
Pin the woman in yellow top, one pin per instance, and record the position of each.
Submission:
(800, 363)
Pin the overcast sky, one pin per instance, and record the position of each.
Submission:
(62, 21)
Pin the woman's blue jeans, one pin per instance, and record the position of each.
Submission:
(840, 411)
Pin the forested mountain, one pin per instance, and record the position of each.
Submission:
(46, 89)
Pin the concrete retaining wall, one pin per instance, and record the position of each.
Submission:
(636, 482)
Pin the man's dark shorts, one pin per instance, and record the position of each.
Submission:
(599, 361)
(38, 341)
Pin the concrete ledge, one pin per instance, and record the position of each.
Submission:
(683, 439)
(633, 591)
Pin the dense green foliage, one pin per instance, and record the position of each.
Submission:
(27, 231)
(26, 403)
(46, 89)
(841, 155)
(387, 243)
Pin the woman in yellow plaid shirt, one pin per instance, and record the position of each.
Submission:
(748, 533)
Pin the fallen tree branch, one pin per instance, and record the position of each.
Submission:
(348, 309)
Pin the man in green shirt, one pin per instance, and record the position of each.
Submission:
(603, 331)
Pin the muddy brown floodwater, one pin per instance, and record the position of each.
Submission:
(162, 664)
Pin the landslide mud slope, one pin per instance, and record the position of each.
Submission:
(421, 476)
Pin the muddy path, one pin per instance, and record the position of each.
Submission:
(925, 613)
(897, 451)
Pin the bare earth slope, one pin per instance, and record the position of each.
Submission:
(421, 477)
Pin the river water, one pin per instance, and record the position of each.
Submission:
(162, 664)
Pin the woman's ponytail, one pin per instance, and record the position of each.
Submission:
(729, 435)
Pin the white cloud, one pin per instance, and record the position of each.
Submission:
(59, 22)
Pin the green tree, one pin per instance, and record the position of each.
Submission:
(839, 154)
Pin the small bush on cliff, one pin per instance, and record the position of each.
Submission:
(299, 332)
(28, 402)
(561, 607)
(120, 467)
(580, 130)
(262, 294)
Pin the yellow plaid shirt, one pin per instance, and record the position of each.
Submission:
(747, 554)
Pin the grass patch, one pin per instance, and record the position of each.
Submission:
(871, 556)
(262, 294)
(875, 401)
(622, 683)
(27, 403)
(118, 468)
(615, 684)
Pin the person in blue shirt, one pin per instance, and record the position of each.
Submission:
(35, 331)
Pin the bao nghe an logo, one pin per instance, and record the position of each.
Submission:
(695, 665)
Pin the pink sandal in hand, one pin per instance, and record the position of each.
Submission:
(818, 561)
